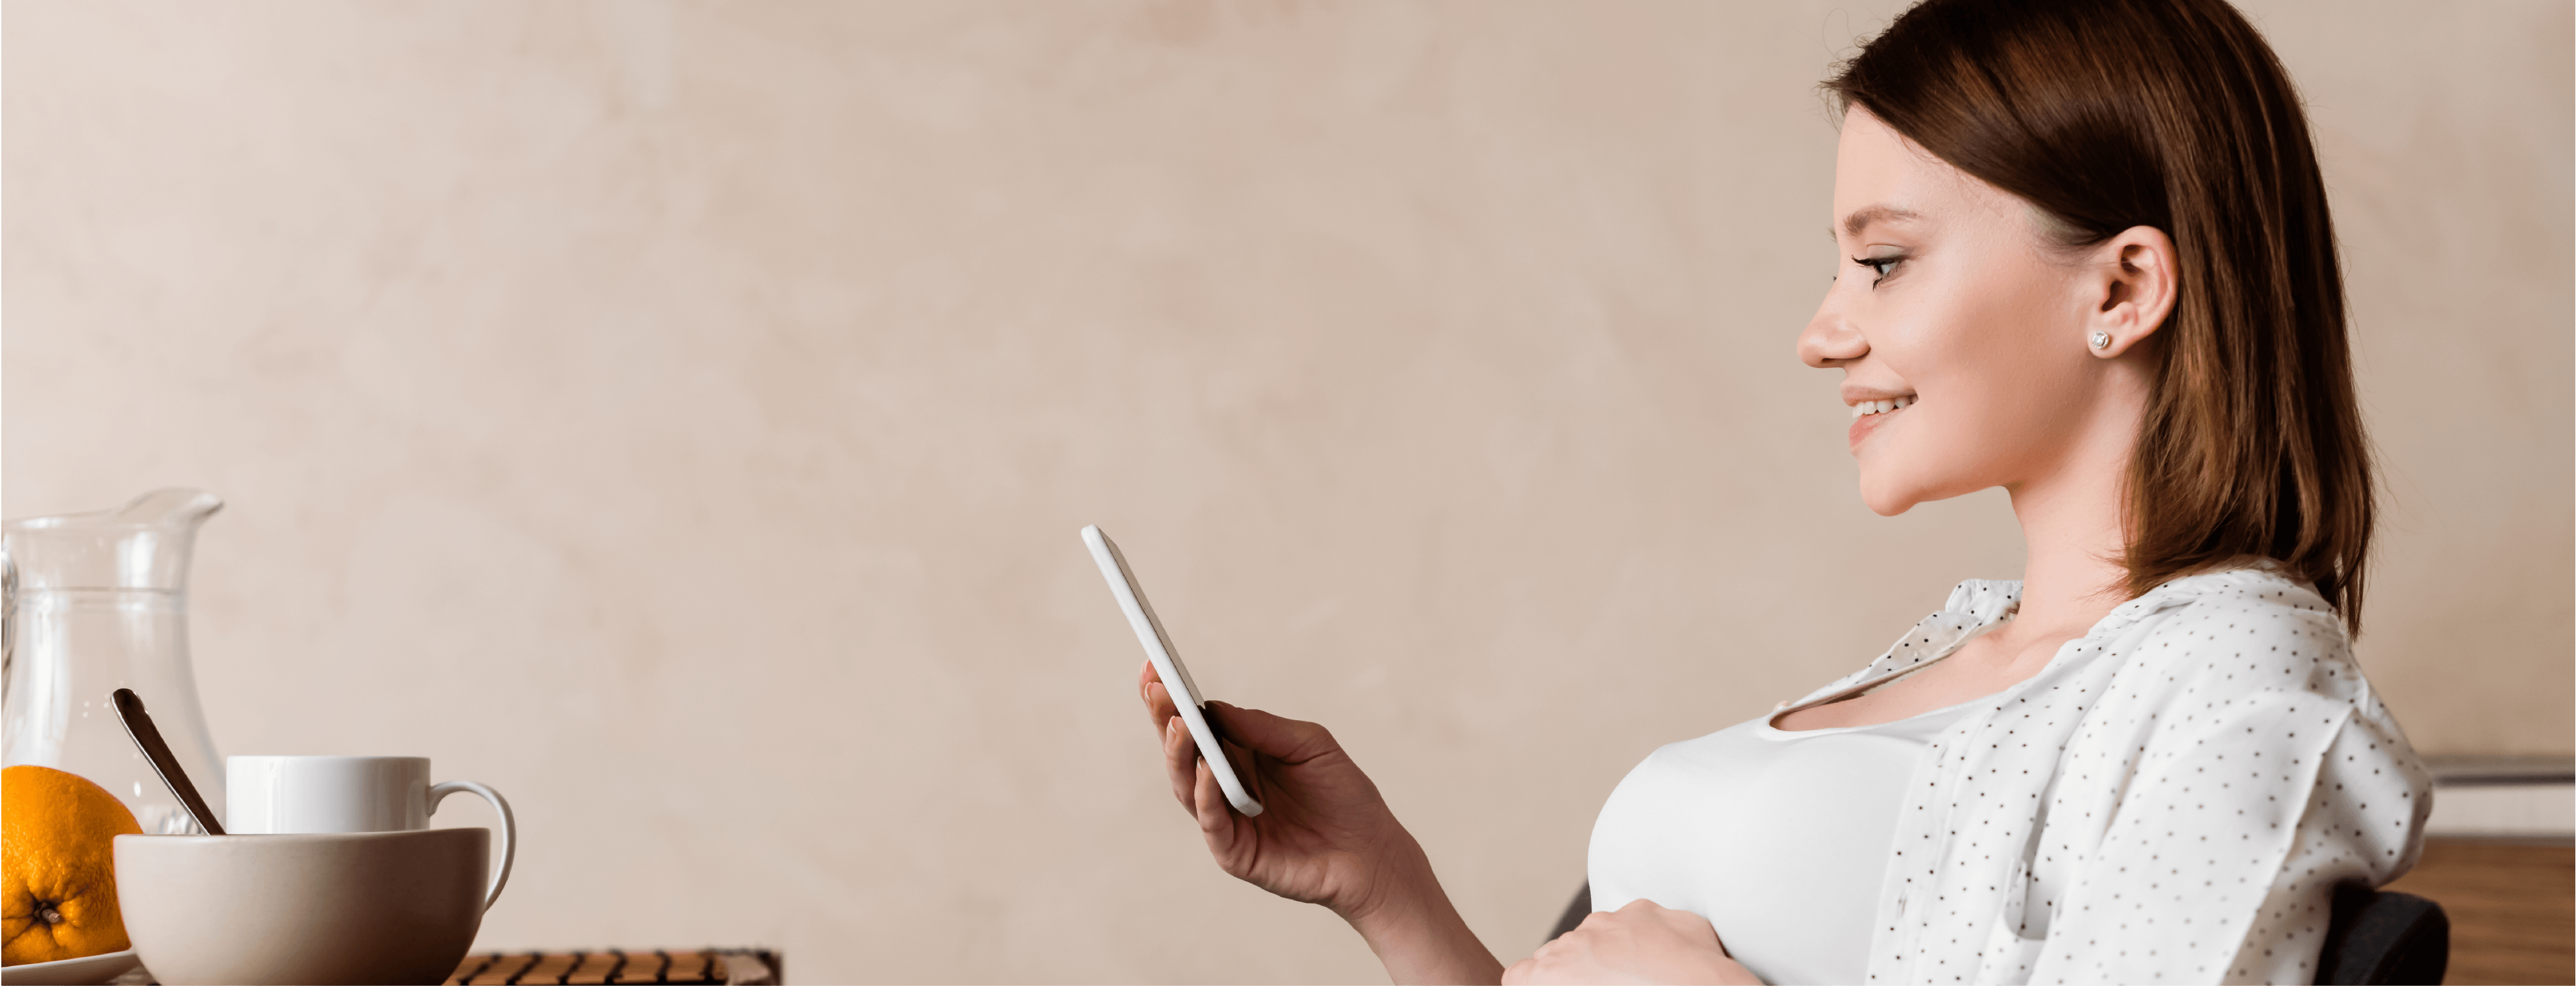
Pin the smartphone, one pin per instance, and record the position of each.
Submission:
(1167, 665)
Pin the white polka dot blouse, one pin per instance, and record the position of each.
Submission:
(2172, 799)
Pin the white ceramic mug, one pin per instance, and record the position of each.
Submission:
(269, 795)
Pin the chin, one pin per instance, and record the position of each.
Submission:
(1888, 499)
(1888, 506)
(1889, 492)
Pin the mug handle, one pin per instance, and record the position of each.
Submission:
(509, 828)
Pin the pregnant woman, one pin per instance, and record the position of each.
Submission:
(2086, 257)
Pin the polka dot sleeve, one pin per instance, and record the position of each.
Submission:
(2369, 797)
(2223, 853)
(2171, 799)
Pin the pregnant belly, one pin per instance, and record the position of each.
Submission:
(1783, 854)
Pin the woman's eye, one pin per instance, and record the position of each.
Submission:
(1877, 265)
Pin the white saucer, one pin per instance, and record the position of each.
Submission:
(83, 970)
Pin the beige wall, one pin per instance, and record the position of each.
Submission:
(680, 416)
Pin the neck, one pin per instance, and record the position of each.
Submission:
(2072, 515)
(2073, 575)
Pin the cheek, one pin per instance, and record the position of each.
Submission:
(1998, 400)
(1961, 443)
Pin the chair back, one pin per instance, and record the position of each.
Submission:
(2381, 936)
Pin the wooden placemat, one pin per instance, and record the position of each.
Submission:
(621, 966)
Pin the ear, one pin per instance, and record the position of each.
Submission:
(2130, 282)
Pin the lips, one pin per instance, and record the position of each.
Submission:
(1869, 415)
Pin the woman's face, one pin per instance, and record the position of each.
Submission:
(1949, 305)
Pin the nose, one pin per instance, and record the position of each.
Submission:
(1830, 340)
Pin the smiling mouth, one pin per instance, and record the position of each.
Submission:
(1867, 408)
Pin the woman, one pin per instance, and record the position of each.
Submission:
(2088, 260)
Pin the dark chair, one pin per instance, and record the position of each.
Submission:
(2381, 936)
(2373, 936)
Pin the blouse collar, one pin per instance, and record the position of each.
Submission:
(1978, 604)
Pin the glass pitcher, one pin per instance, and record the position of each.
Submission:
(94, 602)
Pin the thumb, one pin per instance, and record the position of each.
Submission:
(1276, 736)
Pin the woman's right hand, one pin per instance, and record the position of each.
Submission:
(1324, 835)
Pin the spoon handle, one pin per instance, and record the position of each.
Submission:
(138, 724)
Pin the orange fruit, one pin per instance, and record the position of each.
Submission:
(58, 866)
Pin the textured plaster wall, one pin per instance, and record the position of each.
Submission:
(680, 415)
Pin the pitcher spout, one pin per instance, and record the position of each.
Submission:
(142, 545)
(173, 508)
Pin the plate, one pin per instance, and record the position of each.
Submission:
(86, 969)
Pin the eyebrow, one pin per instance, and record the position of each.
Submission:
(1861, 218)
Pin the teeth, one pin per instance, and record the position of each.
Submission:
(1866, 408)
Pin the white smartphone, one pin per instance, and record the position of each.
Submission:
(1167, 665)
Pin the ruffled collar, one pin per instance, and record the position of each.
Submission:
(1977, 605)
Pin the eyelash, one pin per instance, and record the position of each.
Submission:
(1879, 265)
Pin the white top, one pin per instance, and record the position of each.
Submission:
(2171, 799)
(1743, 807)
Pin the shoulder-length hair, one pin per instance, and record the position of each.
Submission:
(2111, 114)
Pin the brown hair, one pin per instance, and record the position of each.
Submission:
(2111, 114)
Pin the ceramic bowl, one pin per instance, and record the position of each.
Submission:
(362, 907)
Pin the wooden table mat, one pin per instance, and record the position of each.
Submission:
(619, 966)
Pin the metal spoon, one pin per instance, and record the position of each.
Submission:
(138, 724)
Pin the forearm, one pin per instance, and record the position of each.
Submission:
(1417, 932)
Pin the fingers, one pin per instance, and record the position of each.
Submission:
(1691, 927)
(1211, 807)
(1540, 968)
(1158, 699)
(1145, 689)
(1177, 750)
(1261, 732)
(1685, 923)
(1179, 760)
(1547, 951)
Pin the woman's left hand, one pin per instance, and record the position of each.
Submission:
(1643, 942)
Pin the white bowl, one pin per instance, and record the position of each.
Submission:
(83, 971)
(363, 907)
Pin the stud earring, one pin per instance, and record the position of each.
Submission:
(2101, 339)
